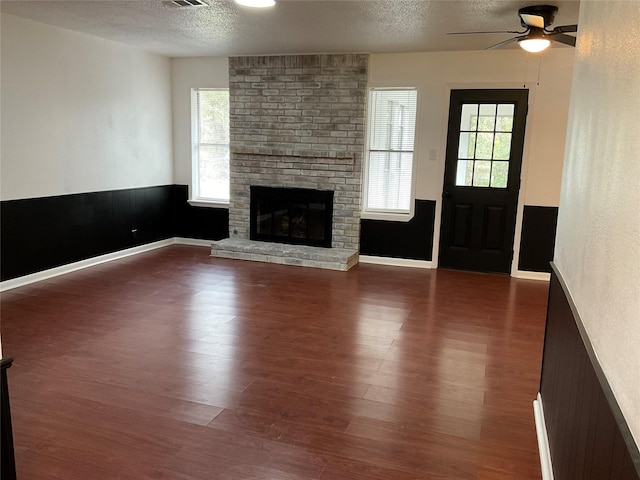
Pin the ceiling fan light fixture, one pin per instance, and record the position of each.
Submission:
(256, 3)
(534, 45)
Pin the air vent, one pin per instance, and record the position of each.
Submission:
(190, 3)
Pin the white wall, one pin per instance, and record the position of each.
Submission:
(598, 239)
(188, 73)
(436, 73)
(80, 114)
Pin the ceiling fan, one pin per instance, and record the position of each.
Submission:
(537, 34)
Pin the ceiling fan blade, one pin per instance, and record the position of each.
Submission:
(532, 20)
(565, 29)
(506, 42)
(494, 31)
(562, 38)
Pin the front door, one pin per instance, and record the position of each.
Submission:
(482, 179)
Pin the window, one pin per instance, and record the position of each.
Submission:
(389, 168)
(484, 149)
(210, 152)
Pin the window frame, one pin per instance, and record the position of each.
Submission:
(389, 214)
(195, 199)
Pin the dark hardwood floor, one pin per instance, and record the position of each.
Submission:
(175, 365)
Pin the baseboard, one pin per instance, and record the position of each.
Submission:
(544, 276)
(196, 242)
(396, 262)
(90, 262)
(407, 262)
(543, 440)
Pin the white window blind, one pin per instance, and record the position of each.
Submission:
(210, 153)
(389, 169)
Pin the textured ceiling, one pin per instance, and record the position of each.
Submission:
(292, 26)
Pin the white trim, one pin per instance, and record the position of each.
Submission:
(208, 203)
(196, 242)
(196, 200)
(396, 262)
(543, 276)
(543, 440)
(90, 262)
(389, 217)
(195, 190)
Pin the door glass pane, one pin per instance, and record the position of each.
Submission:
(499, 174)
(504, 122)
(487, 118)
(466, 146)
(485, 134)
(469, 117)
(484, 146)
(502, 146)
(464, 173)
(481, 174)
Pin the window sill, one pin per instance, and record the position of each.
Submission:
(389, 217)
(208, 204)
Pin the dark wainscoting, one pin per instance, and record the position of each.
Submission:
(37, 234)
(589, 438)
(203, 223)
(538, 238)
(8, 464)
(412, 239)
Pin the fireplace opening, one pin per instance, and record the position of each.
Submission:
(297, 216)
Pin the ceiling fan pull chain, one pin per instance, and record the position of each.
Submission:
(539, 63)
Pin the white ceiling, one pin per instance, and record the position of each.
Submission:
(292, 26)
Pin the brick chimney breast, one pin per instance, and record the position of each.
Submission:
(298, 121)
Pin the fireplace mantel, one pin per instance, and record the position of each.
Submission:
(277, 152)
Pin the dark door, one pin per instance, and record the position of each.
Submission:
(482, 179)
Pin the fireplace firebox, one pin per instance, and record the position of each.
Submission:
(297, 216)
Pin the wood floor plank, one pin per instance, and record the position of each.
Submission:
(175, 365)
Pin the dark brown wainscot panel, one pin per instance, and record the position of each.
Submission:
(589, 438)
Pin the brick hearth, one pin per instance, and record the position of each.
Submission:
(301, 255)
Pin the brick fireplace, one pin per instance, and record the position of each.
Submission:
(298, 122)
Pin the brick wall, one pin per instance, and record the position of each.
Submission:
(298, 121)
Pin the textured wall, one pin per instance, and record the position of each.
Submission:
(188, 73)
(298, 121)
(597, 245)
(80, 114)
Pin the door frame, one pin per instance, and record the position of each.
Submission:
(523, 173)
